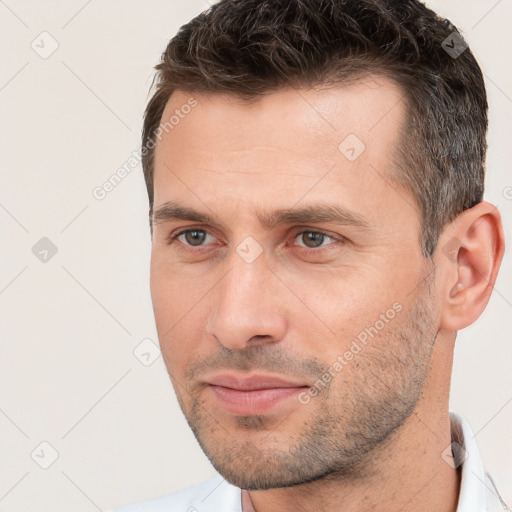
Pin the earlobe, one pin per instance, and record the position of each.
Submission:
(468, 258)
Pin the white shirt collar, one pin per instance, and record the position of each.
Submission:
(472, 486)
(477, 491)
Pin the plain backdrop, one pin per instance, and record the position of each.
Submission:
(72, 322)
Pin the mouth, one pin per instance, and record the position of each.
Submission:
(253, 395)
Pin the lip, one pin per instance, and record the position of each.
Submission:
(252, 382)
(254, 394)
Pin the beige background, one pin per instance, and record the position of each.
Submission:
(69, 326)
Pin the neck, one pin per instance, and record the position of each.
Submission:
(406, 472)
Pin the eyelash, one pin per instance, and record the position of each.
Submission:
(318, 250)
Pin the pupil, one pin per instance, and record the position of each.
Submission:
(315, 237)
(194, 236)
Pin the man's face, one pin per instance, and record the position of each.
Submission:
(295, 345)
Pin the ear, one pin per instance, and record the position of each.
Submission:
(467, 260)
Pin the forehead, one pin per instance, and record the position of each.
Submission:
(287, 146)
(367, 108)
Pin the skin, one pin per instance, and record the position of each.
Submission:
(373, 438)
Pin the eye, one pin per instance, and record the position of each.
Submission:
(313, 240)
(190, 237)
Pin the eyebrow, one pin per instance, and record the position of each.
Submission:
(315, 213)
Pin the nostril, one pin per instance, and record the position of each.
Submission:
(261, 338)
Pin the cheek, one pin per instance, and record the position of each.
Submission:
(178, 350)
(164, 296)
(358, 311)
(343, 301)
(177, 311)
(168, 292)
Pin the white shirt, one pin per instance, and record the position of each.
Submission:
(477, 491)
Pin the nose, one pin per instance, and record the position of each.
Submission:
(249, 306)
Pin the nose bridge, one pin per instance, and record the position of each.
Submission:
(247, 304)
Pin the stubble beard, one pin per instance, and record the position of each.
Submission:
(343, 427)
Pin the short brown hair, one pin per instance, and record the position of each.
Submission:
(249, 48)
